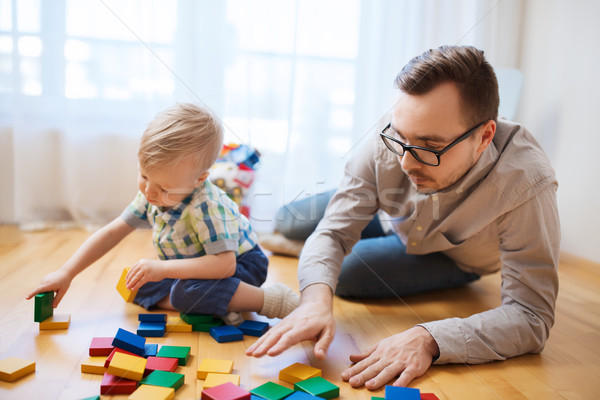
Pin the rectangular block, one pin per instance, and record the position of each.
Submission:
(115, 385)
(193, 319)
(318, 386)
(205, 327)
(127, 366)
(148, 392)
(112, 354)
(402, 393)
(150, 350)
(161, 364)
(56, 322)
(181, 353)
(152, 317)
(272, 391)
(101, 346)
(129, 341)
(226, 333)
(298, 372)
(176, 324)
(305, 396)
(429, 396)
(13, 368)
(151, 329)
(125, 293)
(213, 379)
(94, 365)
(164, 378)
(209, 365)
(253, 328)
(43, 306)
(226, 391)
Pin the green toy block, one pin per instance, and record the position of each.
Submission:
(318, 386)
(164, 378)
(272, 391)
(181, 353)
(193, 319)
(43, 306)
(205, 327)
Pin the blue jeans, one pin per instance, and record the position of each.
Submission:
(212, 296)
(378, 266)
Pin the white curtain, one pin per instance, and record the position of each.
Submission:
(303, 81)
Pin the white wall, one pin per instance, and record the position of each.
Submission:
(561, 106)
(6, 177)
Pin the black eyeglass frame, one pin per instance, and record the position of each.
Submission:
(438, 153)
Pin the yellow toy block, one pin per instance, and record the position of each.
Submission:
(208, 365)
(213, 379)
(94, 365)
(127, 366)
(57, 321)
(13, 368)
(176, 324)
(128, 295)
(298, 372)
(149, 392)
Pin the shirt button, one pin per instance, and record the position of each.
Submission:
(419, 228)
(413, 243)
(434, 197)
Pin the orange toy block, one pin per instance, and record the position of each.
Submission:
(149, 392)
(176, 324)
(213, 379)
(57, 321)
(298, 372)
(94, 365)
(13, 368)
(128, 295)
(127, 366)
(208, 365)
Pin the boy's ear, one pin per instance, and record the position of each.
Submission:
(201, 179)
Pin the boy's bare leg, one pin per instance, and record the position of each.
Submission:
(246, 298)
(165, 303)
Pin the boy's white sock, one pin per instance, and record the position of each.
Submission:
(233, 318)
(279, 301)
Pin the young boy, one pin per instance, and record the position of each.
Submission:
(209, 260)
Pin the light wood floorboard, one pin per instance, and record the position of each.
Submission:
(568, 368)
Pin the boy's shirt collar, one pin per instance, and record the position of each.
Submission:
(173, 214)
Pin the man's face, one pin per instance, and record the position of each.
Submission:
(434, 120)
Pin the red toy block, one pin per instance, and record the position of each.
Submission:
(101, 346)
(226, 391)
(429, 396)
(161, 364)
(114, 385)
(112, 354)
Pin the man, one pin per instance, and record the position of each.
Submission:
(468, 195)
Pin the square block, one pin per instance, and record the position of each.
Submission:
(298, 372)
(305, 396)
(161, 364)
(126, 294)
(213, 379)
(150, 350)
(151, 329)
(115, 385)
(148, 392)
(101, 346)
(318, 386)
(181, 353)
(176, 324)
(226, 333)
(429, 396)
(92, 398)
(58, 321)
(164, 378)
(13, 368)
(130, 341)
(43, 306)
(205, 327)
(94, 365)
(402, 393)
(226, 391)
(112, 354)
(254, 328)
(127, 366)
(272, 391)
(193, 319)
(209, 365)
(152, 317)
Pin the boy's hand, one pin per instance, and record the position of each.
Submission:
(57, 281)
(144, 271)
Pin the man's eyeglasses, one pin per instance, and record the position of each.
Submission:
(422, 154)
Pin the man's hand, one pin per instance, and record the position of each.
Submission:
(407, 355)
(144, 271)
(57, 281)
(312, 320)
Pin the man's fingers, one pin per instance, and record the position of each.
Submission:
(323, 343)
(407, 376)
(261, 347)
(372, 370)
(361, 356)
(384, 376)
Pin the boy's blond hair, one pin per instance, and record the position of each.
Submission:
(179, 132)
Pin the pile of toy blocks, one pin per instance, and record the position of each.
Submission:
(44, 313)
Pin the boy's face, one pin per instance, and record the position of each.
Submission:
(168, 185)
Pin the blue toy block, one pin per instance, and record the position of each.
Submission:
(303, 396)
(253, 328)
(226, 333)
(152, 317)
(150, 350)
(402, 393)
(151, 329)
(130, 341)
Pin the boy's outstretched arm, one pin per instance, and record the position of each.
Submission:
(94, 247)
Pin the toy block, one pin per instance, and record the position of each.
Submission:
(176, 324)
(94, 365)
(149, 392)
(208, 365)
(112, 354)
(181, 353)
(377, 398)
(401, 393)
(151, 329)
(92, 398)
(298, 372)
(101, 346)
(226, 391)
(319, 386)
(152, 317)
(56, 322)
(213, 379)
(43, 306)
(150, 350)
(13, 368)
(205, 327)
(226, 333)
(128, 295)
(429, 396)
(129, 341)
(254, 328)
(161, 364)
(193, 319)
(115, 385)
(127, 366)
(272, 391)
(303, 396)
(165, 379)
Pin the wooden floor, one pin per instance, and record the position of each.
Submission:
(569, 367)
